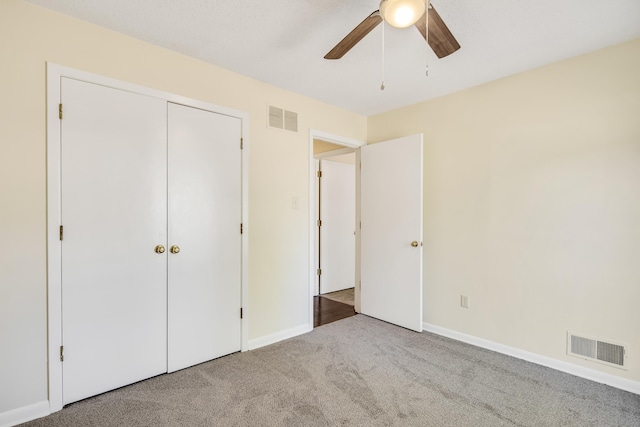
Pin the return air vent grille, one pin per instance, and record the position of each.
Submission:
(597, 350)
(276, 117)
(290, 121)
(610, 353)
(583, 346)
(282, 119)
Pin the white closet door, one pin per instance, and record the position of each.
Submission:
(204, 222)
(114, 214)
(337, 232)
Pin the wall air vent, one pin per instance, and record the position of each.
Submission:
(276, 117)
(597, 350)
(282, 119)
(290, 121)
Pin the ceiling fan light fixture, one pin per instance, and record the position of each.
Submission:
(401, 13)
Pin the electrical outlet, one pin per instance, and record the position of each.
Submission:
(464, 301)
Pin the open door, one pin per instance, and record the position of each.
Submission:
(391, 231)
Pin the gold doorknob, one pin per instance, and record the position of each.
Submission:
(174, 249)
(159, 249)
(414, 244)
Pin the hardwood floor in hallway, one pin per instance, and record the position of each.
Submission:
(345, 296)
(326, 311)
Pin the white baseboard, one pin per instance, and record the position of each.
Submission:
(569, 368)
(283, 335)
(24, 414)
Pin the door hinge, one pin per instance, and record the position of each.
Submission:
(319, 223)
(61, 353)
(61, 232)
(60, 111)
(319, 272)
(241, 228)
(319, 174)
(241, 143)
(241, 313)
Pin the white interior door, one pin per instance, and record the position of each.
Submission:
(391, 234)
(113, 180)
(337, 213)
(204, 222)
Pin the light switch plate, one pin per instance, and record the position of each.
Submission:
(464, 301)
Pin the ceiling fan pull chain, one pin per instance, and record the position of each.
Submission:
(382, 85)
(427, 5)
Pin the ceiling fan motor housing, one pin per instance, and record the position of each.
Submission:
(402, 13)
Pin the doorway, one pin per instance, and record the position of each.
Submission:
(335, 243)
(400, 263)
(333, 205)
(336, 219)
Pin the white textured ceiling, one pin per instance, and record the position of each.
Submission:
(282, 42)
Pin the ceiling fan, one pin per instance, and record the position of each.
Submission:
(402, 14)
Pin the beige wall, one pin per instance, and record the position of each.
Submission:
(30, 36)
(531, 186)
(320, 146)
(532, 205)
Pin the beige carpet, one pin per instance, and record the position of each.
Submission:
(359, 372)
(345, 296)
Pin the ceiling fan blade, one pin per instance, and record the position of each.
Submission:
(355, 36)
(440, 38)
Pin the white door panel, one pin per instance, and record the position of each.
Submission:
(391, 215)
(114, 213)
(337, 239)
(204, 222)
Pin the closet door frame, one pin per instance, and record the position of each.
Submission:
(55, 73)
